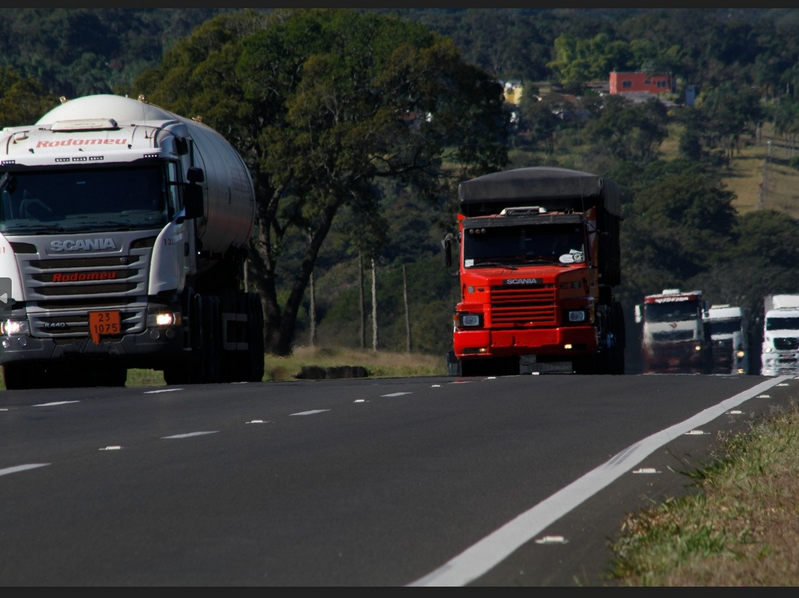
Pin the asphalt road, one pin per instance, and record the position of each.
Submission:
(512, 481)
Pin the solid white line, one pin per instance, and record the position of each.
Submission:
(310, 412)
(54, 403)
(491, 550)
(19, 468)
(189, 435)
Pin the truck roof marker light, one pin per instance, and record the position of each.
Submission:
(88, 124)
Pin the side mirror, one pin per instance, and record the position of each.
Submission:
(195, 175)
(446, 251)
(193, 201)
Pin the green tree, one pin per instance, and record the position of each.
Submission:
(22, 101)
(324, 103)
(579, 60)
(680, 218)
(729, 112)
(631, 132)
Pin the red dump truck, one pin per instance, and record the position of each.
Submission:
(538, 257)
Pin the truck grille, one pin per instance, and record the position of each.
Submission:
(72, 323)
(525, 306)
(673, 335)
(60, 291)
(786, 344)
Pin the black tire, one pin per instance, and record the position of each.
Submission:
(110, 375)
(617, 355)
(212, 341)
(585, 364)
(187, 370)
(255, 342)
(17, 376)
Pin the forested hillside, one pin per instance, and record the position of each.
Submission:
(704, 205)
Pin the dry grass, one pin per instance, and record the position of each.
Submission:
(761, 177)
(740, 530)
(379, 364)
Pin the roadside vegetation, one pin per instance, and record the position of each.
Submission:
(378, 364)
(740, 529)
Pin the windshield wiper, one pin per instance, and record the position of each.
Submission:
(37, 227)
(541, 260)
(495, 264)
(104, 225)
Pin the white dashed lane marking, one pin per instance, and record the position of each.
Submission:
(54, 403)
(18, 468)
(312, 412)
(189, 435)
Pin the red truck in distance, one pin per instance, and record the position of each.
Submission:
(538, 257)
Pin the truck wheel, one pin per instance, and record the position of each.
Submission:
(212, 339)
(17, 376)
(187, 370)
(587, 364)
(255, 328)
(469, 368)
(113, 375)
(453, 365)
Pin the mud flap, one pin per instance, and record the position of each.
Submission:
(453, 365)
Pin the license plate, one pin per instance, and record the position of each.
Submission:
(104, 323)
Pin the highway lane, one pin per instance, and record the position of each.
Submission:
(342, 482)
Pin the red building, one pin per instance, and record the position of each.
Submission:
(628, 82)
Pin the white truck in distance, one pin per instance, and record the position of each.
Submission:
(675, 337)
(780, 354)
(123, 236)
(729, 335)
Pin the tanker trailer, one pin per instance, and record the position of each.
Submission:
(123, 234)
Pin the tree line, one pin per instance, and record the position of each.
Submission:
(357, 126)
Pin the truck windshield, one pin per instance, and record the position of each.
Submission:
(725, 327)
(44, 201)
(672, 311)
(522, 245)
(782, 323)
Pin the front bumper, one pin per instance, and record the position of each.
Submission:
(562, 342)
(148, 349)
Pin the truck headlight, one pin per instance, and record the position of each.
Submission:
(466, 320)
(13, 327)
(577, 316)
(163, 319)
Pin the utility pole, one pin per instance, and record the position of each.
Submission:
(407, 311)
(761, 196)
(374, 306)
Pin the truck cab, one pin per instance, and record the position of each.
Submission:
(780, 350)
(676, 335)
(730, 338)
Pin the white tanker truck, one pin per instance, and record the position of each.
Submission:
(123, 234)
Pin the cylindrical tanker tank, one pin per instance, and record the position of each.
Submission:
(228, 191)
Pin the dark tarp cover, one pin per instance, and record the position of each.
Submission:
(552, 188)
